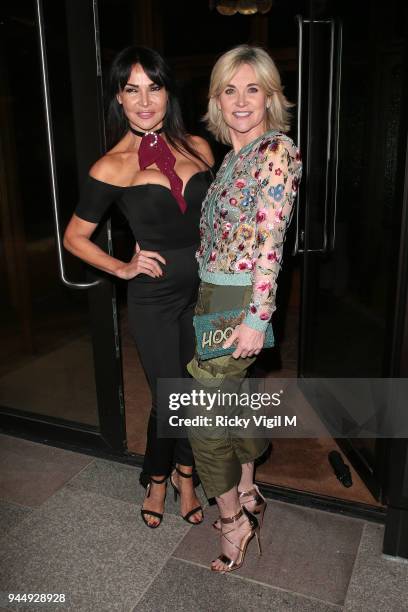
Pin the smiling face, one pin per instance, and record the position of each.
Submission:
(243, 106)
(144, 102)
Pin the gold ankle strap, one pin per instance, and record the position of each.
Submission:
(244, 493)
(232, 519)
(254, 493)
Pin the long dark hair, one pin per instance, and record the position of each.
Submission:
(159, 72)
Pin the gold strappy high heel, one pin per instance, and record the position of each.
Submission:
(258, 511)
(260, 502)
(254, 531)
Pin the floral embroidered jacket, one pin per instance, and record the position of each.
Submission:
(244, 219)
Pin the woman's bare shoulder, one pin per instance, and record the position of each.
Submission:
(202, 147)
(108, 168)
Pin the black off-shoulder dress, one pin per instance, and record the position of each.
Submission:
(160, 310)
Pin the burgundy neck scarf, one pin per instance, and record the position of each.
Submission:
(154, 150)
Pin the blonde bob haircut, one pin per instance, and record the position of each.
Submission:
(277, 110)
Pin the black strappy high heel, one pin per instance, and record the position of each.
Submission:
(187, 516)
(143, 511)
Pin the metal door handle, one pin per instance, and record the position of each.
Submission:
(51, 153)
(300, 22)
(339, 52)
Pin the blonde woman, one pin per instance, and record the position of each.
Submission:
(244, 219)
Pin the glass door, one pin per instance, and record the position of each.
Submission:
(60, 357)
(353, 60)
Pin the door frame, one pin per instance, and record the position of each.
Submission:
(87, 104)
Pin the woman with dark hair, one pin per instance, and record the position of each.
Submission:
(158, 175)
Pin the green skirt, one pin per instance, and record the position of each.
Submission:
(219, 452)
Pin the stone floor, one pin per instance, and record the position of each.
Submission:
(70, 524)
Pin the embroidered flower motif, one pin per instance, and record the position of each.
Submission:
(248, 191)
(213, 256)
(276, 192)
(264, 316)
(261, 215)
(264, 146)
(226, 230)
(242, 218)
(278, 215)
(240, 183)
(241, 246)
(224, 193)
(243, 264)
(249, 197)
(262, 235)
(233, 202)
(272, 256)
(252, 309)
(264, 286)
(245, 231)
(278, 171)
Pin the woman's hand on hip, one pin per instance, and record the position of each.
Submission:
(142, 262)
(249, 341)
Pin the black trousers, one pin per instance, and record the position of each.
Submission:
(160, 315)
